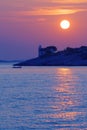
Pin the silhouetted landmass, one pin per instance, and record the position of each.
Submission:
(67, 57)
(8, 61)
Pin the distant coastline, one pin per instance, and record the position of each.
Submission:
(67, 57)
(9, 61)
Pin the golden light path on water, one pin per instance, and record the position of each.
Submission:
(67, 100)
(66, 89)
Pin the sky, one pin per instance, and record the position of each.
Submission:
(26, 24)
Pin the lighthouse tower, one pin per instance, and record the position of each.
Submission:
(40, 51)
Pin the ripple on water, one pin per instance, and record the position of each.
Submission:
(45, 98)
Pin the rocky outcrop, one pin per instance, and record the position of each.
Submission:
(67, 57)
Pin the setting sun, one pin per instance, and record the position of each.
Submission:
(64, 24)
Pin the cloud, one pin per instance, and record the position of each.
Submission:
(42, 7)
(49, 12)
(69, 1)
(55, 7)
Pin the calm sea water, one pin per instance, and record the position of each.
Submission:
(43, 98)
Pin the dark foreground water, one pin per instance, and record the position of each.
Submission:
(43, 98)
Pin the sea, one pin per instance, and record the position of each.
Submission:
(43, 98)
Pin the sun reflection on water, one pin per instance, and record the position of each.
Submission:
(66, 81)
(67, 99)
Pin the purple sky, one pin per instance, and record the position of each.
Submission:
(25, 24)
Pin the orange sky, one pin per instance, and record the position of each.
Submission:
(24, 24)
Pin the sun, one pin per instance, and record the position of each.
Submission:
(65, 24)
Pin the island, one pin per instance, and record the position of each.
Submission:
(50, 56)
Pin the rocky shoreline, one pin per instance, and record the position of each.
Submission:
(67, 57)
